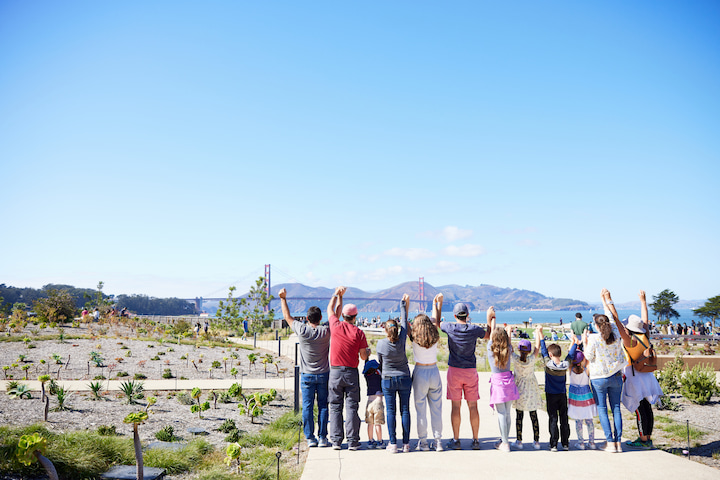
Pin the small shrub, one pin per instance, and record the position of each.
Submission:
(227, 426)
(132, 390)
(167, 373)
(233, 436)
(699, 384)
(166, 434)
(107, 431)
(216, 364)
(140, 376)
(99, 377)
(224, 398)
(155, 358)
(184, 398)
(669, 377)
(122, 374)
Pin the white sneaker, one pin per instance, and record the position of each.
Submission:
(503, 447)
(536, 445)
(392, 448)
(439, 445)
(423, 446)
(609, 448)
(592, 446)
(406, 448)
(580, 445)
(517, 444)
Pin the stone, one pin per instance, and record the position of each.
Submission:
(129, 472)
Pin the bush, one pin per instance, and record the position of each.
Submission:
(122, 374)
(140, 376)
(166, 434)
(107, 430)
(699, 384)
(669, 377)
(233, 436)
(167, 373)
(184, 398)
(227, 426)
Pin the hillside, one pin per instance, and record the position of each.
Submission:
(478, 298)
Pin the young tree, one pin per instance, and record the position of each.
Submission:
(254, 305)
(709, 311)
(228, 311)
(662, 306)
(58, 306)
(136, 419)
(32, 447)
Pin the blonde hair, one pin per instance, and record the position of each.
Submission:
(500, 347)
(423, 331)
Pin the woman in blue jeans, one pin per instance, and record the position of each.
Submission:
(396, 381)
(604, 352)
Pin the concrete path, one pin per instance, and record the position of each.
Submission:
(329, 464)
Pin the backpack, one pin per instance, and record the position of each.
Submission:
(648, 362)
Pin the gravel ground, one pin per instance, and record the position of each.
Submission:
(89, 414)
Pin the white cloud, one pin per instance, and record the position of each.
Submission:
(410, 253)
(452, 234)
(383, 273)
(444, 266)
(467, 250)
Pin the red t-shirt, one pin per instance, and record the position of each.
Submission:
(346, 340)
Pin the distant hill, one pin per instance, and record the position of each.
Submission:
(477, 298)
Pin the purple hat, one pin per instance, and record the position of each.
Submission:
(525, 346)
(579, 357)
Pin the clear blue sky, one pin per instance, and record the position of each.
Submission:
(173, 148)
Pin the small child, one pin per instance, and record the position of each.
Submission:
(374, 408)
(529, 390)
(502, 382)
(556, 393)
(581, 406)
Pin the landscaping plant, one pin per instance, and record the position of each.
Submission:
(31, 448)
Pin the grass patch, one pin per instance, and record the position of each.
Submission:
(678, 432)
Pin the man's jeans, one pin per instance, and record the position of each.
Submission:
(314, 386)
(400, 386)
(344, 388)
(604, 390)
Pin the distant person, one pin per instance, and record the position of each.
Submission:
(96, 314)
(85, 313)
(314, 347)
(578, 326)
(606, 358)
(197, 329)
(396, 380)
(245, 328)
(206, 327)
(462, 376)
(374, 406)
(556, 392)
(348, 342)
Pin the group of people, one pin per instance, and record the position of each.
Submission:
(330, 355)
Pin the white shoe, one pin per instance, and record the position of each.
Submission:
(580, 445)
(592, 446)
(406, 448)
(609, 448)
(439, 445)
(517, 444)
(423, 446)
(536, 445)
(392, 448)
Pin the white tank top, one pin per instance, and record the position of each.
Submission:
(424, 355)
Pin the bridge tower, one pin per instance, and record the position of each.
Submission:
(421, 292)
(267, 285)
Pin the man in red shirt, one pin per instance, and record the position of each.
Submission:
(347, 343)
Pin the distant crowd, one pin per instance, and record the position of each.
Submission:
(600, 372)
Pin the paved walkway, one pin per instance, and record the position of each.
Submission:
(329, 464)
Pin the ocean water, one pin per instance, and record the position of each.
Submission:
(538, 316)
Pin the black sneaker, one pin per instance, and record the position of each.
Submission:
(454, 445)
(475, 444)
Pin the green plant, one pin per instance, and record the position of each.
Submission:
(699, 384)
(216, 364)
(122, 374)
(669, 376)
(167, 373)
(254, 403)
(232, 455)
(136, 419)
(97, 359)
(155, 358)
(227, 426)
(62, 395)
(233, 436)
(57, 358)
(140, 376)
(132, 390)
(95, 389)
(20, 391)
(252, 358)
(99, 377)
(199, 408)
(32, 447)
(184, 398)
(107, 431)
(166, 434)
(234, 372)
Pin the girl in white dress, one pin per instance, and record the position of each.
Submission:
(530, 399)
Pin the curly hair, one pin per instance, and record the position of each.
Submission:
(606, 330)
(500, 347)
(423, 331)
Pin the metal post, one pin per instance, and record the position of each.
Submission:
(297, 380)
(278, 455)
(687, 424)
(255, 340)
(279, 347)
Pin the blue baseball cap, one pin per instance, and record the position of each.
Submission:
(370, 365)
(461, 310)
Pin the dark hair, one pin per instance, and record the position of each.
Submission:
(554, 349)
(606, 330)
(393, 330)
(523, 355)
(349, 318)
(314, 315)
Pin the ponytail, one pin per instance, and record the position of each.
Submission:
(606, 330)
(392, 330)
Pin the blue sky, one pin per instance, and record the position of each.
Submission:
(175, 148)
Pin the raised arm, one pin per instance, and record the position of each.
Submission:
(404, 305)
(538, 336)
(285, 310)
(437, 309)
(644, 311)
(609, 305)
(490, 314)
(335, 305)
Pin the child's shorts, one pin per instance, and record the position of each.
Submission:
(462, 381)
(375, 410)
